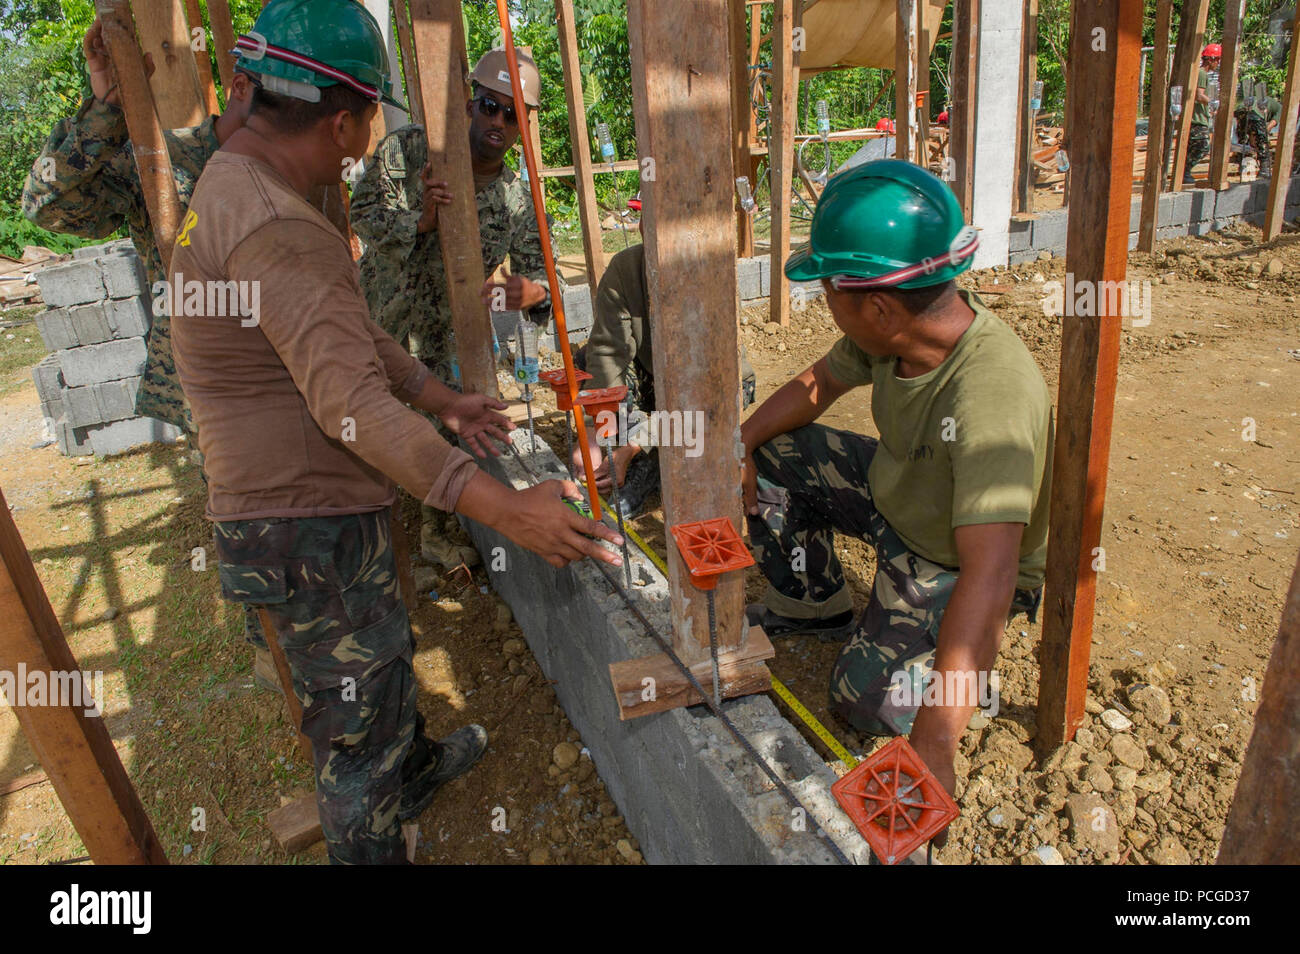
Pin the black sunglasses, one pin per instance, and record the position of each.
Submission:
(490, 107)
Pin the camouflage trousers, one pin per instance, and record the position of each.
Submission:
(1198, 147)
(812, 483)
(1252, 130)
(330, 587)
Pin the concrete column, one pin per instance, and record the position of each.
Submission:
(394, 118)
(1000, 27)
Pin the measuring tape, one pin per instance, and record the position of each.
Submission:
(780, 688)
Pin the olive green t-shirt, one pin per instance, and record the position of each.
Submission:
(1201, 111)
(968, 442)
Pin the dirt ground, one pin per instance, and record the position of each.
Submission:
(1200, 534)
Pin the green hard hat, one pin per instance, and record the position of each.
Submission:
(885, 224)
(298, 46)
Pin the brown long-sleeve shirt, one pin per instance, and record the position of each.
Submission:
(294, 390)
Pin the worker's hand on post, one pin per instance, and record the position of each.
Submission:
(474, 418)
(435, 193)
(520, 293)
(543, 523)
(103, 82)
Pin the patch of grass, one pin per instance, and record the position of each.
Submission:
(21, 349)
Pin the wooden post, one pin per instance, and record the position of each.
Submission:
(741, 118)
(580, 144)
(1233, 11)
(1027, 139)
(152, 161)
(961, 118)
(1187, 63)
(905, 41)
(163, 33)
(439, 38)
(780, 157)
(410, 69)
(1261, 826)
(202, 65)
(74, 748)
(1153, 178)
(1281, 180)
(1103, 101)
(223, 35)
(691, 276)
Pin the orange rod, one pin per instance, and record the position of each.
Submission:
(557, 299)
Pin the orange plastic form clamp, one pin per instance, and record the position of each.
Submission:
(559, 382)
(896, 802)
(711, 548)
(598, 400)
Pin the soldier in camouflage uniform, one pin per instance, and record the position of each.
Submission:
(394, 211)
(1255, 122)
(85, 183)
(1198, 140)
(953, 496)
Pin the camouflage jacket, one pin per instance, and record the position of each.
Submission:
(85, 183)
(402, 272)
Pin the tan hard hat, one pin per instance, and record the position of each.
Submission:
(493, 72)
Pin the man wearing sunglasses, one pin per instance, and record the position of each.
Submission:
(953, 495)
(395, 212)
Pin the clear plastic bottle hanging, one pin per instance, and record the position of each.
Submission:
(526, 362)
(1036, 97)
(823, 119)
(1176, 101)
(745, 193)
(606, 142)
(1212, 91)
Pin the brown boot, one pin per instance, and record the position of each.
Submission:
(442, 547)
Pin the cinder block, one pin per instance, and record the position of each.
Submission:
(1132, 240)
(48, 379)
(1019, 258)
(1135, 214)
(56, 329)
(577, 308)
(764, 276)
(124, 275)
(117, 246)
(121, 436)
(116, 399)
(1050, 231)
(1232, 201)
(1201, 227)
(82, 408)
(1021, 235)
(1258, 201)
(1202, 207)
(109, 361)
(76, 283)
(90, 323)
(1256, 219)
(748, 282)
(1181, 208)
(1293, 191)
(1171, 231)
(72, 441)
(128, 317)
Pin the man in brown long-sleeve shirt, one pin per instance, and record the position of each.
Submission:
(299, 401)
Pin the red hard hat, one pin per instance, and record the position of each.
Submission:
(884, 125)
(943, 117)
(634, 203)
(1213, 51)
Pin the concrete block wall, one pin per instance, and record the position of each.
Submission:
(95, 329)
(1190, 212)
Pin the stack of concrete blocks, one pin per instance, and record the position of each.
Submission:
(95, 331)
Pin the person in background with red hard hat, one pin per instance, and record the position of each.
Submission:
(1198, 143)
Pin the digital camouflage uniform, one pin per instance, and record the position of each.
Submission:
(1252, 130)
(812, 483)
(402, 272)
(91, 189)
(315, 576)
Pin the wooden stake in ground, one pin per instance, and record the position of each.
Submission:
(74, 748)
(1187, 64)
(1103, 101)
(1261, 827)
(1157, 131)
(906, 36)
(164, 34)
(580, 144)
(1223, 119)
(961, 118)
(202, 65)
(1028, 141)
(150, 148)
(780, 156)
(1282, 158)
(741, 119)
(439, 39)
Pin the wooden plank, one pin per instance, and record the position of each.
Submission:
(1028, 74)
(402, 557)
(1103, 101)
(439, 39)
(580, 144)
(785, 83)
(296, 826)
(1281, 180)
(164, 33)
(690, 255)
(1153, 177)
(286, 682)
(223, 35)
(922, 91)
(741, 119)
(1233, 11)
(623, 165)
(202, 65)
(905, 42)
(74, 748)
(1261, 827)
(152, 161)
(1187, 62)
(961, 118)
(740, 671)
(410, 69)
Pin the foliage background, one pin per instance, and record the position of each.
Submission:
(42, 74)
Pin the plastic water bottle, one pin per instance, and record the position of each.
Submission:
(1176, 101)
(1212, 91)
(606, 143)
(1036, 97)
(745, 193)
(526, 365)
(823, 119)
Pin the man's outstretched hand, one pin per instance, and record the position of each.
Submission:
(103, 82)
(475, 418)
(543, 523)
